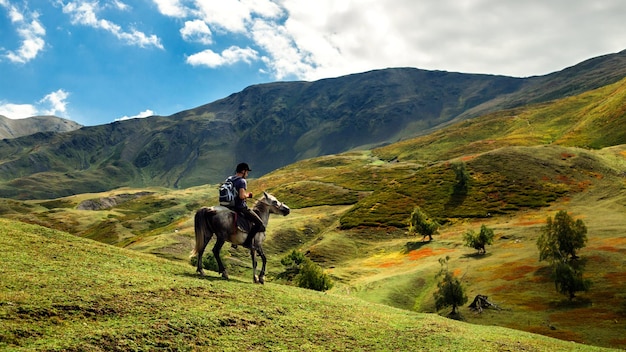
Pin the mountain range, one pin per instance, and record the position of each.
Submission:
(273, 125)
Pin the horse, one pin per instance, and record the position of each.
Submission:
(222, 222)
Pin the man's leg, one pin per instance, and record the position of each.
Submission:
(257, 226)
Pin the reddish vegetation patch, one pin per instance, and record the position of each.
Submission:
(468, 157)
(390, 264)
(456, 272)
(619, 343)
(616, 278)
(426, 252)
(564, 179)
(567, 155)
(519, 272)
(611, 249)
(591, 315)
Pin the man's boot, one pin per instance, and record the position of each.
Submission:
(248, 242)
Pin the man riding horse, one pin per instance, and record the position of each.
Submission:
(241, 207)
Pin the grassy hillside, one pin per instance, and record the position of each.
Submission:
(60, 292)
(351, 210)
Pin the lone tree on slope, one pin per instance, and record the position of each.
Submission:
(421, 224)
(561, 237)
(558, 243)
(480, 240)
(450, 291)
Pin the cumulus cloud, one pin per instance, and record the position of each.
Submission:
(54, 103)
(29, 29)
(196, 31)
(17, 111)
(172, 8)
(145, 113)
(230, 56)
(85, 13)
(316, 39)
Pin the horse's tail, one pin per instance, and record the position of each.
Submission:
(202, 227)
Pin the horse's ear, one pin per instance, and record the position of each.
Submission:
(265, 195)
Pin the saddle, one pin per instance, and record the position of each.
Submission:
(239, 222)
(242, 223)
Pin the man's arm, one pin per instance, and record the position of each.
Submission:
(243, 194)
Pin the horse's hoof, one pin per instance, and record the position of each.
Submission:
(262, 280)
(255, 279)
(200, 272)
(224, 276)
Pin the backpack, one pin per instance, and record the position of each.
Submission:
(227, 192)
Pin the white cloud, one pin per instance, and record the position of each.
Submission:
(17, 111)
(53, 103)
(85, 13)
(197, 31)
(145, 113)
(30, 30)
(172, 8)
(229, 56)
(56, 101)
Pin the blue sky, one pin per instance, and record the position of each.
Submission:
(95, 62)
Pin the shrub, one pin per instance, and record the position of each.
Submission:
(304, 272)
(480, 240)
(450, 291)
(208, 262)
(312, 276)
(420, 223)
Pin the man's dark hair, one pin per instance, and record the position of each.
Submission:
(241, 167)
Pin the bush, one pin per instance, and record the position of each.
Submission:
(312, 276)
(208, 262)
(304, 272)
(450, 291)
(420, 223)
(480, 240)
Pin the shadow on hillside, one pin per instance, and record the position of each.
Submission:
(413, 245)
(476, 255)
(211, 276)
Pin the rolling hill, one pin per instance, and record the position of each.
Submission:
(80, 295)
(273, 125)
(350, 213)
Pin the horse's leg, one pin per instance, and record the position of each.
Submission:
(216, 253)
(203, 236)
(253, 256)
(259, 249)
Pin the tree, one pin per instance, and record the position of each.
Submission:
(568, 280)
(480, 240)
(449, 292)
(421, 224)
(462, 179)
(558, 242)
(560, 238)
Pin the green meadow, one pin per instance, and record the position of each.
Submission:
(111, 270)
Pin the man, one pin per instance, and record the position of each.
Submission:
(241, 185)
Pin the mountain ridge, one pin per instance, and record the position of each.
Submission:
(275, 124)
(15, 128)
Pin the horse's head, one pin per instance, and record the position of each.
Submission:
(275, 206)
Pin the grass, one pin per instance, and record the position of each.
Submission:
(349, 214)
(61, 292)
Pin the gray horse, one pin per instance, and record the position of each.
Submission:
(222, 222)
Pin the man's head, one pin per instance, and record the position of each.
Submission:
(242, 167)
